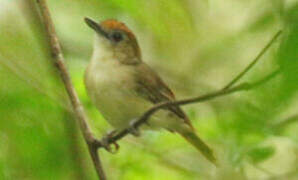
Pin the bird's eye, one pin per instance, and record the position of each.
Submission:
(117, 36)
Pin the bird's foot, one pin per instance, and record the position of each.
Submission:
(107, 145)
(133, 129)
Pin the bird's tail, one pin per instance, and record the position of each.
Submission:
(192, 138)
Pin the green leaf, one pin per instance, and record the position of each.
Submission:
(260, 154)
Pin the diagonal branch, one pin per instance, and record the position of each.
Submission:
(231, 83)
(76, 104)
(143, 119)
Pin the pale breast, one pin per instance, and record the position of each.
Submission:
(111, 88)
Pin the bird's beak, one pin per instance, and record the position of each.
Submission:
(96, 27)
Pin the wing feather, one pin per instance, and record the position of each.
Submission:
(151, 87)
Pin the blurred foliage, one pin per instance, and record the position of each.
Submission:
(196, 46)
(260, 154)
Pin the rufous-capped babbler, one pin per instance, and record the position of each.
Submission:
(123, 87)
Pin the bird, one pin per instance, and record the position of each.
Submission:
(122, 86)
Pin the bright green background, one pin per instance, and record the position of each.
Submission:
(197, 46)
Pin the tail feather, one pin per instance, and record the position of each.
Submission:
(192, 138)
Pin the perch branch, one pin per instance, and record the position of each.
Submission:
(76, 104)
(230, 84)
(142, 119)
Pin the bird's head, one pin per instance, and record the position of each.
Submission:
(117, 39)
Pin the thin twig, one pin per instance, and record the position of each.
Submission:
(76, 104)
(142, 119)
(230, 84)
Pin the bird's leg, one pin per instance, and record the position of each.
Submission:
(132, 129)
(105, 142)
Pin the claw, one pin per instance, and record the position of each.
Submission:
(105, 142)
(133, 130)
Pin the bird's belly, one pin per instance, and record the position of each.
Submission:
(119, 107)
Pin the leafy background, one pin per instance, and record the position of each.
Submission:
(196, 46)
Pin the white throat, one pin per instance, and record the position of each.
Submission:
(102, 49)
